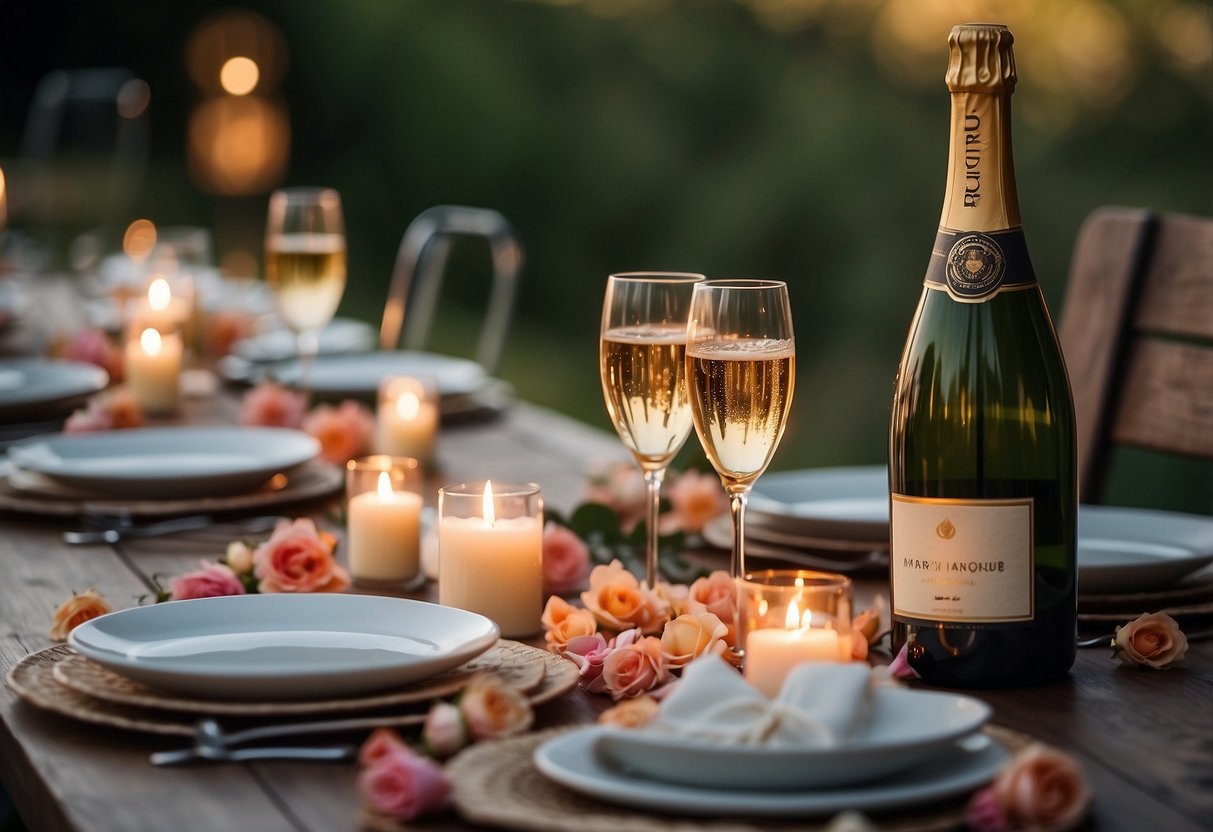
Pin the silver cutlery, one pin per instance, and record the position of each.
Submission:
(122, 530)
(203, 753)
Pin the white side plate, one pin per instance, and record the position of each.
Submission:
(904, 727)
(358, 375)
(166, 462)
(571, 761)
(284, 646)
(32, 385)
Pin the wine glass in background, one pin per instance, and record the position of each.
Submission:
(305, 264)
(741, 372)
(643, 367)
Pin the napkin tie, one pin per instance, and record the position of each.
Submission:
(819, 706)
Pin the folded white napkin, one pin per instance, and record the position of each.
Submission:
(820, 705)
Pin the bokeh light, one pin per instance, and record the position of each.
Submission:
(139, 239)
(238, 146)
(239, 75)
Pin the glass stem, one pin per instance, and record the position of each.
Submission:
(652, 481)
(738, 501)
(307, 343)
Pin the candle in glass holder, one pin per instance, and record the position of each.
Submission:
(167, 306)
(490, 553)
(153, 369)
(384, 520)
(406, 421)
(793, 616)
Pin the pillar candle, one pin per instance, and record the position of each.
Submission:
(153, 370)
(385, 533)
(406, 423)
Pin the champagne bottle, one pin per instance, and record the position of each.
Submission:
(982, 459)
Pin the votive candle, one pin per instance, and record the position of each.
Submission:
(383, 520)
(406, 421)
(153, 370)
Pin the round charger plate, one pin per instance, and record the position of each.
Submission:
(496, 784)
(28, 492)
(33, 679)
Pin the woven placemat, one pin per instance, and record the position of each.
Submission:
(497, 785)
(33, 679)
(520, 668)
(28, 492)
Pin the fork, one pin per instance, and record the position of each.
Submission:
(123, 529)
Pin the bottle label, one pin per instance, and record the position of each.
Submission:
(972, 265)
(962, 560)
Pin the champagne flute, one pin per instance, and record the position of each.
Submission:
(643, 367)
(741, 372)
(305, 264)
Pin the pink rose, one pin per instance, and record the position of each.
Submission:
(562, 622)
(717, 594)
(695, 498)
(566, 560)
(344, 432)
(404, 785)
(211, 581)
(900, 667)
(620, 487)
(1043, 789)
(272, 405)
(1152, 640)
(985, 813)
(73, 612)
(589, 653)
(297, 558)
(88, 420)
(619, 602)
(690, 636)
(493, 710)
(380, 743)
(634, 666)
(445, 730)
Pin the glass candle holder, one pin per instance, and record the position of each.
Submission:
(490, 552)
(166, 304)
(152, 360)
(383, 518)
(406, 422)
(789, 616)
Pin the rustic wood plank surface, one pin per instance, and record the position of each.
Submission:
(1145, 738)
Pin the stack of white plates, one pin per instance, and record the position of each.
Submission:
(916, 747)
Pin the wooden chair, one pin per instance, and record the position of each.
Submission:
(1137, 332)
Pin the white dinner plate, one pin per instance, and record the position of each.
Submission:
(1134, 550)
(284, 646)
(358, 375)
(904, 727)
(30, 387)
(571, 760)
(169, 462)
(831, 503)
(342, 335)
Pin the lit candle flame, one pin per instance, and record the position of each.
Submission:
(408, 406)
(792, 620)
(385, 486)
(150, 341)
(159, 294)
(489, 518)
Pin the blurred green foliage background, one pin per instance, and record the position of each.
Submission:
(798, 139)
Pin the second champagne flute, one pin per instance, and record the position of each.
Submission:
(741, 371)
(305, 264)
(642, 363)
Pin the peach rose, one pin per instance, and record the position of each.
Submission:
(445, 730)
(402, 784)
(695, 498)
(1042, 788)
(124, 409)
(343, 432)
(566, 560)
(677, 597)
(619, 602)
(620, 487)
(211, 581)
(272, 405)
(298, 558)
(116, 409)
(1152, 640)
(222, 329)
(636, 665)
(717, 594)
(75, 611)
(380, 743)
(563, 622)
(238, 557)
(493, 710)
(692, 635)
(632, 713)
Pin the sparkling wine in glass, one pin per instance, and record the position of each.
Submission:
(642, 361)
(305, 263)
(741, 372)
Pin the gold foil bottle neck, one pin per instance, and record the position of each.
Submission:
(980, 58)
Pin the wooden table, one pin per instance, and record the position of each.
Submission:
(1145, 739)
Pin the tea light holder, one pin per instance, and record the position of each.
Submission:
(406, 422)
(166, 305)
(789, 616)
(490, 552)
(152, 363)
(383, 520)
